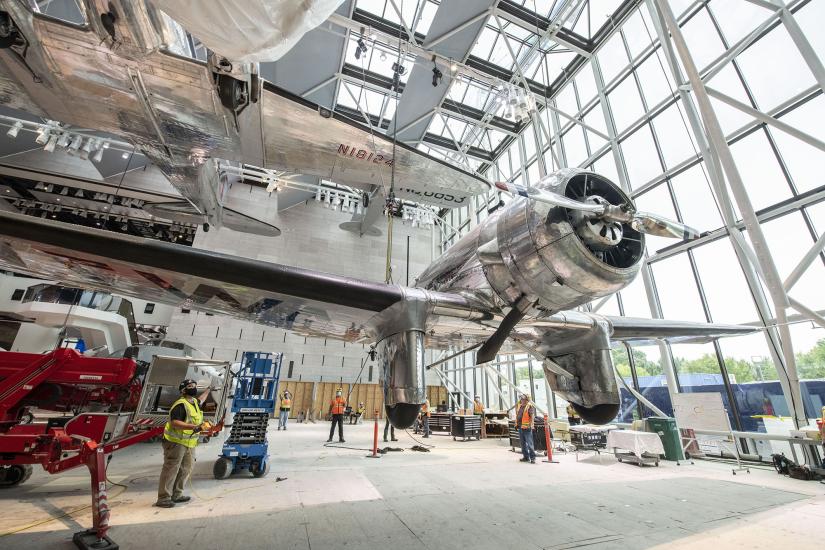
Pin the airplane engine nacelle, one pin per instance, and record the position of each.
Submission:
(554, 257)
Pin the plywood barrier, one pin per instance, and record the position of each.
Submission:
(370, 394)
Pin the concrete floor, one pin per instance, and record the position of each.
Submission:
(461, 495)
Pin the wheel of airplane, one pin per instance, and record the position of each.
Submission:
(600, 414)
(402, 415)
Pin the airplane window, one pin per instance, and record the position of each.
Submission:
(69, 11)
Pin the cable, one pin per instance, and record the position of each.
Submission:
(28, 526)
(421, 443)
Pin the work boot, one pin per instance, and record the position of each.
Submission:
(329, 441)
(532, 462)
(524, 460)
(279, 428)
(182, 498)
(394, 439)
(385, 440)
(165, 504)
(341, 441)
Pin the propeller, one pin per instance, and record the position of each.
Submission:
(598, 208)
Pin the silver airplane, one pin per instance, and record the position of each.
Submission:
(513, 283)
(118, 74)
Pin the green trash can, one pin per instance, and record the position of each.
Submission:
(669, 434)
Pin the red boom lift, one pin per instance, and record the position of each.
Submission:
(102, 395)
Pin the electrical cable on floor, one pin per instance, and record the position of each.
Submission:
(420, 443)
(26, 527)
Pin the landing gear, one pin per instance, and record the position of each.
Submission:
(232, 93)
(15, 474)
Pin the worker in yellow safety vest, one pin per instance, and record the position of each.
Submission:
(478, 408)
(180, 437)
(336, 410)
(822, 427)
(425, 417)
(286, 406)
(358, 414)
(525, 415)
(573, 417)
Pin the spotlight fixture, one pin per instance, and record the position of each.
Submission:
(49, 188)
(42, 135)
(87, 148)
(15, 129)
(383, 56)
(74, 146)
(453, 66)
(318, 195)
(397, 71)
(51, 144)
(124, 156)
(360, 48)
(437, 74)
(98, 156)
(63, 140)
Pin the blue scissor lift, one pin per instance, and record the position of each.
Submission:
(255, 396)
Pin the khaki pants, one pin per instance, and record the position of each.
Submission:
(177, 466)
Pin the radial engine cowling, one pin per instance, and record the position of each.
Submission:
(555, 257)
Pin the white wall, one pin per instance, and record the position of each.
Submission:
(310, 239)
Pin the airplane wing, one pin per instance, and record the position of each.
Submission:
(304, 301)
(307, 302)
(642, 331)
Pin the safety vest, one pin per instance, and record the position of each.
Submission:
(194, 415)
(338, 404)
(523, 416)
(361, 410)
(478, 408)
(425, 408)
(286, 404)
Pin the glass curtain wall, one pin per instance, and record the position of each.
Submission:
(621, 115)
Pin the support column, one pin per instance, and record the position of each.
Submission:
(762, 260)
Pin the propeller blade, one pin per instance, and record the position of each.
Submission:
(548, 197)
(653, 224)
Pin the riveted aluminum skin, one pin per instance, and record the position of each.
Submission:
(532, 249)
(401, 361)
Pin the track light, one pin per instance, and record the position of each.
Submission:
(453, 66)
(74, 146)
(15, 129)
(397, 71)
(42, 135)
(64, 191)
(49, 188)
(318, 195)
(98, 156)
(63, 140)
(360, 48)
(88, 145)
(437, 76)
(51, 144)
(383, 56)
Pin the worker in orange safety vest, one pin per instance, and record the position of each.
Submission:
(336, 410)
(525, 415)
